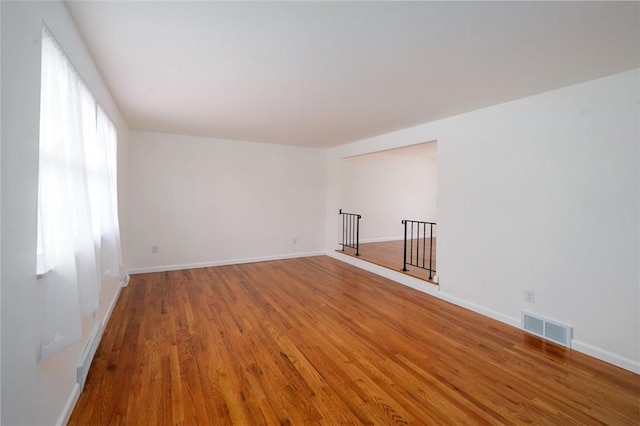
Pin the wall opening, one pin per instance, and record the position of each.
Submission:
(386, 188)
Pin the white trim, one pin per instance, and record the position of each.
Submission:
(399, 277)
(514, 322)
(166, 268)
(415, 283)
(65, 415)
(124, 279)
(585, 348)
(381, 240)
(606, 356)
(63, 419)
(86, 358)
(105, 320)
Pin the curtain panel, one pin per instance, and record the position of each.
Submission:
(78, 233)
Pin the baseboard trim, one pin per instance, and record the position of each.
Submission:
(112, 305)
(399, 277)
(514, 322)
(606, 356)
(65, 415)
(417, 284)
(381, 240)
(167, 268)
(585, 348)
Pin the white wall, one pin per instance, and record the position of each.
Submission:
(208, 201)
(539, 194)
(386, 188)
(35, 393)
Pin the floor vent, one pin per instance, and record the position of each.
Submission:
(82, 368)
(545, 328)
(124, 280)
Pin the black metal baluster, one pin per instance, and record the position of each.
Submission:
(342, 238)
(343, 231)
(412, 233)
(424, 243)
(404, 265)
(345, 224)
(358, 235)
(418, 244)
(351, 231)
(409, 239)
(430, 252)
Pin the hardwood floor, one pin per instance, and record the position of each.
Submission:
(390, 254)
(317, 341)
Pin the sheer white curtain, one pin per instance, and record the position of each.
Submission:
(78, 234)
(107, 144)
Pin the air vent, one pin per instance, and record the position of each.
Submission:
(534, 325)
(124, 280)
(82, 368)
(547, 329)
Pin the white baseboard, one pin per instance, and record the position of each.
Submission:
(63, 419)
(514, 322)
(398, 277)
(414, 283)
(606, 356)
(421, 285)
(585, 348)
(112, 305)
(381, 240)
(166, 268)
(601, 354)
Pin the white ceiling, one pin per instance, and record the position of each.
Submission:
(326, 73)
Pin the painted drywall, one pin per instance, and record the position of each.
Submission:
(32, 393)
(206, 201)
(0, 221)
(387, 187)
(538, 194)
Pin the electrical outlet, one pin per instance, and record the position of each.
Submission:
(155, 249)
(529, 296)
(295, 241)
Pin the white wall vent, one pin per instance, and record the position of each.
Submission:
(124, 280)
(82, 368)
(547, 329)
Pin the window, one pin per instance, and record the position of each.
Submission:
(78, 244)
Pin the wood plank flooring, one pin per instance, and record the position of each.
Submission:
(390, 254)
(317, 341)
